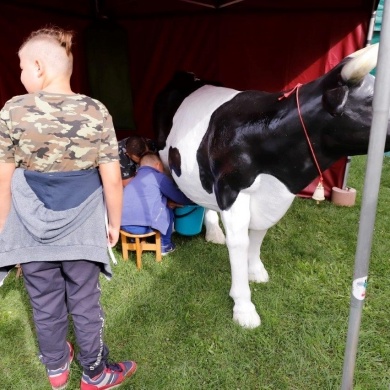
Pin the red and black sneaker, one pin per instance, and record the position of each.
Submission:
(111, 377)
(59, 378)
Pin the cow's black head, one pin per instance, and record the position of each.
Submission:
(347, 98)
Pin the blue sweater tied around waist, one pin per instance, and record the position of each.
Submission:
(56, 216)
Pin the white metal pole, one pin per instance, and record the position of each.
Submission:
(381, 106)
(370, 34)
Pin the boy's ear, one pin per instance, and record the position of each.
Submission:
(160, 166)
(39, 68)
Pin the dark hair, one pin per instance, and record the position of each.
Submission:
(136, 145)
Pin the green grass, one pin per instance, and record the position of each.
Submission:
(174, 317)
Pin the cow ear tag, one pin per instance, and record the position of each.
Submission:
(319, 193)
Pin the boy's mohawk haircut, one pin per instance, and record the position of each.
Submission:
(63, 37)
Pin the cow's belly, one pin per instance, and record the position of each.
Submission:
(190, 123)
(189, 180)
(269, 201)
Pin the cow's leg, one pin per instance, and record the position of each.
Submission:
(214, 232)
(236, 222)
(256, 270)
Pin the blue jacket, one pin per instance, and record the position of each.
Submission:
(145, 199)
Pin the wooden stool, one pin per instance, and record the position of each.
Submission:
(140, 244)
(19, 271)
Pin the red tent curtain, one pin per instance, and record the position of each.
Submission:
(270, 51)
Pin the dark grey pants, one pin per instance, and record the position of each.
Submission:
(57, 289)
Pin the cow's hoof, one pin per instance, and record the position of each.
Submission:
(215, 236)
(248, 319)
(258, 276)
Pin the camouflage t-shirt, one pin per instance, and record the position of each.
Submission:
(49, 132)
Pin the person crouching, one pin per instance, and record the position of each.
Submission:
(148, 202)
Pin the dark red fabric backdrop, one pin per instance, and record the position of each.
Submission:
(270, 50)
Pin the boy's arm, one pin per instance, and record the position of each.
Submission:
(169, 189)
(113, 193)
(6, 172)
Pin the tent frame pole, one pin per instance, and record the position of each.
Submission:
(381, 104)
(370, 34)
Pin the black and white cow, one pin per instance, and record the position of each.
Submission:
(245, 154)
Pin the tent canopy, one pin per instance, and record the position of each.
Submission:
(131, 9)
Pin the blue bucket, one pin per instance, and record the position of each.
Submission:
(189, 220)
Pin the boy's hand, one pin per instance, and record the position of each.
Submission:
(172, 205)
(113, 236)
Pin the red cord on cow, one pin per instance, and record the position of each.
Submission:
(307, 136)
(287, 94)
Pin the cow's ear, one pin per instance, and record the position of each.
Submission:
(334, 100)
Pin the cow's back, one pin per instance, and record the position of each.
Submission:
(169, 100)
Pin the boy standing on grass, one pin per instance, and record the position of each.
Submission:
(58, 156)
